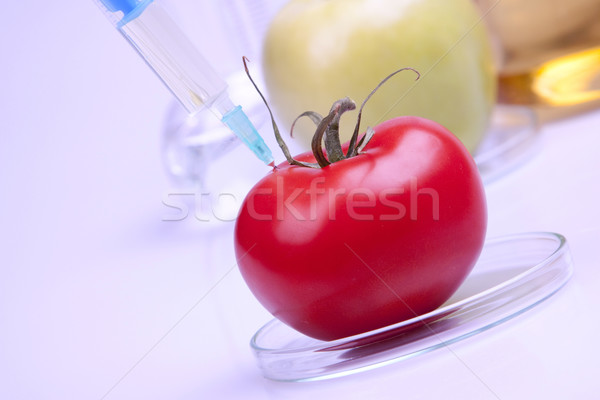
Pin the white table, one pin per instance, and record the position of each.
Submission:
(100, 298)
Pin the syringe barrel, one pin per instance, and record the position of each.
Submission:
(168, 51)
(177, 62)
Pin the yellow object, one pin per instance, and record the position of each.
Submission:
(317, 52)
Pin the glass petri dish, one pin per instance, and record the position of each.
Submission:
(513, 274)
(509, 142)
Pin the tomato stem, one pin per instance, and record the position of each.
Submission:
(333, 145)
(314, 116)
(280, 141)
(352, 148)
(317, 140)
(328, 128)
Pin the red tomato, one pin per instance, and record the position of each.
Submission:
(367, 241)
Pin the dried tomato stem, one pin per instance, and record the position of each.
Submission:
(328, 128)
(314, 116)
(333, 145)
(352, 149)
(280, 141)
(317, 140)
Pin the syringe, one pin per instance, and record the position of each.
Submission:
(179, 64)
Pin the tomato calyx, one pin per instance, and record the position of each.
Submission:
(327, 130)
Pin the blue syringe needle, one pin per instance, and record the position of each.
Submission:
(239, 123)
(179, 64)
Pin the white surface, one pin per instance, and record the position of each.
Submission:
(102, 299)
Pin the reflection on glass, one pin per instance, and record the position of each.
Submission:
(549, 53)
(513, 275)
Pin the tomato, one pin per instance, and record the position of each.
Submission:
(316, 51)
(369, 240)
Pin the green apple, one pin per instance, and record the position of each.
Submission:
(318, 51)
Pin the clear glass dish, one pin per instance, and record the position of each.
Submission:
(509, 142)
(513, 274)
